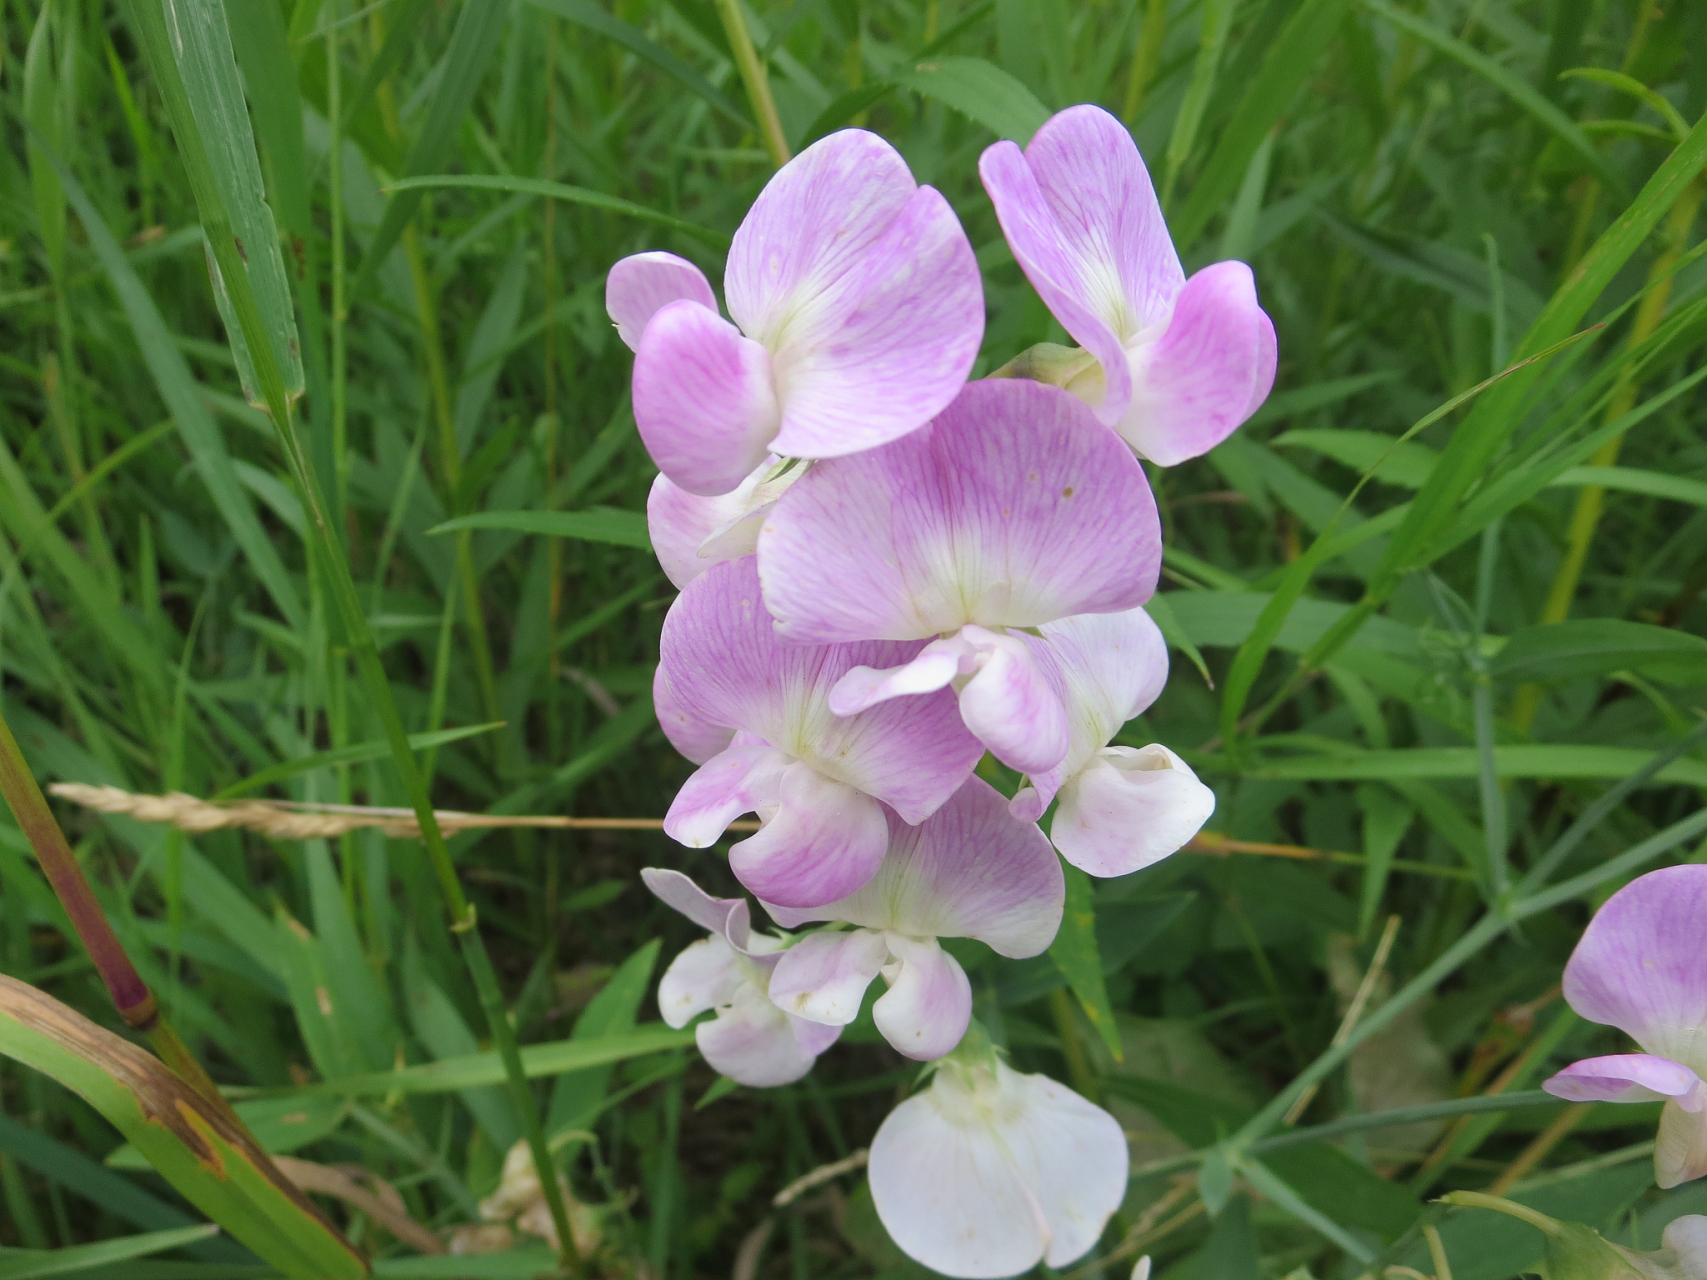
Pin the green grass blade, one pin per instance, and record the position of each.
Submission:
(355, 753)
(82, 1257)
(559, 191)
(982, 92)
(600, 524)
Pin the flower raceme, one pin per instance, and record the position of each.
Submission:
(1641, 967)
(857, 311)
(1173, 365)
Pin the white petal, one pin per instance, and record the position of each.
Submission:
(928, 1005)
(1680, 1153)
(1073, 1156)
(705, 975)
(823, 977)
(1128, 808)
(753, 1042)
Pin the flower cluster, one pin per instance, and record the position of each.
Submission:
(888, 571)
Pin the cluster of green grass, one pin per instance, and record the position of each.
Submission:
(1425, 658)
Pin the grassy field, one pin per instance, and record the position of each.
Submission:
(1407, 669)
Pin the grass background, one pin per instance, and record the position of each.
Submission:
(1420, 190)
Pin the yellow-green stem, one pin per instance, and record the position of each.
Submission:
(757, 81)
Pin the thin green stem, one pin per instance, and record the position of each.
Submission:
(758, 83)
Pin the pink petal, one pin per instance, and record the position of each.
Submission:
(1628, 1077)
(1113, 666)
(926, 1010)
(1013, 508)
(1129, 808)
(863, 687)
(738, 780)
(726, 666)
(1011, 704)
(1680, 1147)
(698, 740)
(1206, 374)
(705, 975)
(753, 1042)
(970, 870)
(1640, 965)
(721, 916)
(703, 399)
(823, 977)
(825, 841)
(691, 533)
(813, 1037)
(642, 284)
(1081, 217)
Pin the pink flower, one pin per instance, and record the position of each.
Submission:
(988, 1172)
(691, 533)
(1121, 808)
(1641, 967)
(1178, 363)
(970, 870)
(857, 310)
(750, 1040)
(815, 779)
(1012, 509)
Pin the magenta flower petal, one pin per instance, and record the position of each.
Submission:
(863, 687)
(726, 666)
(970, 870)
(698, 740)
(703, 398)
(1628, 1077)
(823, 977)
(1641, 966)
(1014, 507)
(1129, 808)
(643, 284)
(825, 841)
(928, 1005)
(739, 780)
(1206, 374)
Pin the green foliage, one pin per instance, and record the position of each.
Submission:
(1455, 238)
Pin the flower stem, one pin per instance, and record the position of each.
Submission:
(757, 81)
(1477, 1200)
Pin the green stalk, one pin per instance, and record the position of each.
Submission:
(754, 77)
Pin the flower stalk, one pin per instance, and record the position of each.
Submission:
(758, 83)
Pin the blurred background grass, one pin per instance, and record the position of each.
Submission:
(1412, 183)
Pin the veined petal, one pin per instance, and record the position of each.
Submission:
(698, 740)
(725, 917)
(1629, 1077)
(883, 348)
(970, 870)
(1680, 1147)
(1012, 706)
(736, 781)
(705, 975)
(1129, 808)
(936, 665)
(1014, 507)
(753, 1042)
(928, 1005)
(825, 841)
(703, 398)
(823, 977)
(1640, 965)
(1073, 1156)
(814, 223)
(727, 666)
(642, 284)
(1206, 374)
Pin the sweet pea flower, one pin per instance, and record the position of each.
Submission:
(1172, 364)
(750, 1040)
(814, 779)
(691, 533)
(1012, 509)
(1121, 808)
(970, 870)
(988, 1172)
(1641, 967)
(857, 309)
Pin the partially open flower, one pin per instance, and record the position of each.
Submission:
(1641, 967)
(857, 310)
(1173, 365)
(988, 1172)
(1121, 808)
(813, 778)
(750, 1040)
(1012, 509)
(970, 870)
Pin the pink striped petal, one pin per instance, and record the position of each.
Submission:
(726, 666)
(1129, 808)
(698, 740)
(1206, 374)
(970, 870)
(1629, 1077)
(825, 840)
(1640, 965)
(703, 398)
(823, 977)
(935, 667)
(742, 779)
(726, 917)
(928, 1006)
(1012, 705)
(1014, 507)
(641, 285)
